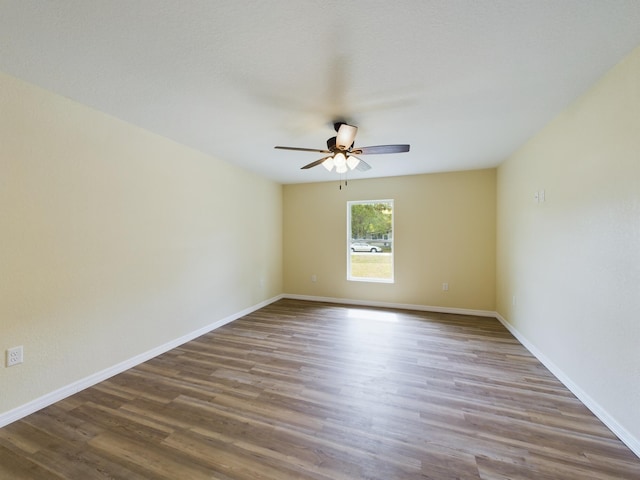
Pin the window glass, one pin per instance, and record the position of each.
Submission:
(370, 241)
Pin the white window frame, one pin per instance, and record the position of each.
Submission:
(350, 277)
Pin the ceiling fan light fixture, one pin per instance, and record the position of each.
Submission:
(340, 149)
(346, 136)
(352, 162)
(328, 164)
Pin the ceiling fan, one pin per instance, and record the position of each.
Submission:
(342, 153)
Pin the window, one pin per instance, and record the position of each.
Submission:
(370, 241)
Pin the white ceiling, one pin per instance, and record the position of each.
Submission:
(465, 82)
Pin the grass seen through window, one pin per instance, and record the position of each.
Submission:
(371, 266)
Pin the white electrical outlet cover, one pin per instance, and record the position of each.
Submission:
(14, 356)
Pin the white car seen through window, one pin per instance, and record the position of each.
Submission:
(365, 247)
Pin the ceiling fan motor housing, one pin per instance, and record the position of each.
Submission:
(332, 145)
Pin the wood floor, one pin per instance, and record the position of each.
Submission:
(317, 391)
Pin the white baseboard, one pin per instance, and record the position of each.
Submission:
(622, 433)
(75, 387)
(401, 306)
(66, 391)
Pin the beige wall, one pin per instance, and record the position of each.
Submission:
(115, 241)
(444, 232)
(573, 262)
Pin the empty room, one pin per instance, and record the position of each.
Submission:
(320, 240)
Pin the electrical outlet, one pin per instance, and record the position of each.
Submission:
(14, 356)
(445, 287)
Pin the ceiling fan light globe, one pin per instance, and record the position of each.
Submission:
(328, 164)
(352, 162)
(346, 136)
(339, 159)
(341, 168)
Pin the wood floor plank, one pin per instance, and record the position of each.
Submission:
(304, 390)
(19, 467)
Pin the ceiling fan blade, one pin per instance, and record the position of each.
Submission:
(299, 149)
(362, 165)
(314, 164)
(381, 149)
